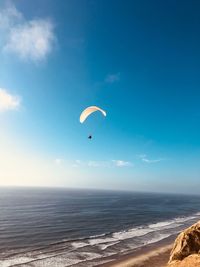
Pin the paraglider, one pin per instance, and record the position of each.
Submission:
(87, 112)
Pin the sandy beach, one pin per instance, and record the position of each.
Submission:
(156, 258)
(155, 255)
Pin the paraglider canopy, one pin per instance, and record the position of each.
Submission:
(86, 112)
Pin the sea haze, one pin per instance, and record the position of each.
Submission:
(61, 227)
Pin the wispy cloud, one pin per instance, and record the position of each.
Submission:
(112, 78)
(9, 16)
(8, 101)
(144, 158)
(32, 40)
(27, 39)
(122, 163)
(105, 164)
(90, 163)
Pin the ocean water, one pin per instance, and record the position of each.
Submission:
(62, 227)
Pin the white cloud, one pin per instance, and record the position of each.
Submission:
(105, 164)
(9, 17)
(151, 160)
(145, 159)
(32, 40)
(121, 163)
(90, 163)
(8, 101)
(28, 39)
(111, 78)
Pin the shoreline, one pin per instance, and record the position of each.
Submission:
(152, 255)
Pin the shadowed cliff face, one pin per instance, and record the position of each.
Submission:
(186, 249)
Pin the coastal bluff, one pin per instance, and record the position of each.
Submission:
(186, 249)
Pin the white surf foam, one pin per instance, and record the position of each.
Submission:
(160, 224)
(101, 240)
(156, 239)
(79, 244)
(135, 232)
(105, 246)
(176, 222)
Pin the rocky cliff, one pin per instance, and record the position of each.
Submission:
(186, 249)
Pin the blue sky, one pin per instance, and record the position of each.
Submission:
(137, 60)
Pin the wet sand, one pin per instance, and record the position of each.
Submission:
(154, 255)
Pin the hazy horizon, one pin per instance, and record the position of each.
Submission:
(97, 189)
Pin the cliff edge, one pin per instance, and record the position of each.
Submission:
(186, 249)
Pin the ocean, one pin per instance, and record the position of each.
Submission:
(79, 228)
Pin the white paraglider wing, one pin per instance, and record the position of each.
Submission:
(89, 111)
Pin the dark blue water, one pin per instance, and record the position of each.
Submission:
(60, 227)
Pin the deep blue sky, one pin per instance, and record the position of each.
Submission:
(138, 60)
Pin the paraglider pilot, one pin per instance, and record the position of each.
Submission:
(86, 112)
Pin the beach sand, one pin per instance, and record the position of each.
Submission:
(156, 255)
